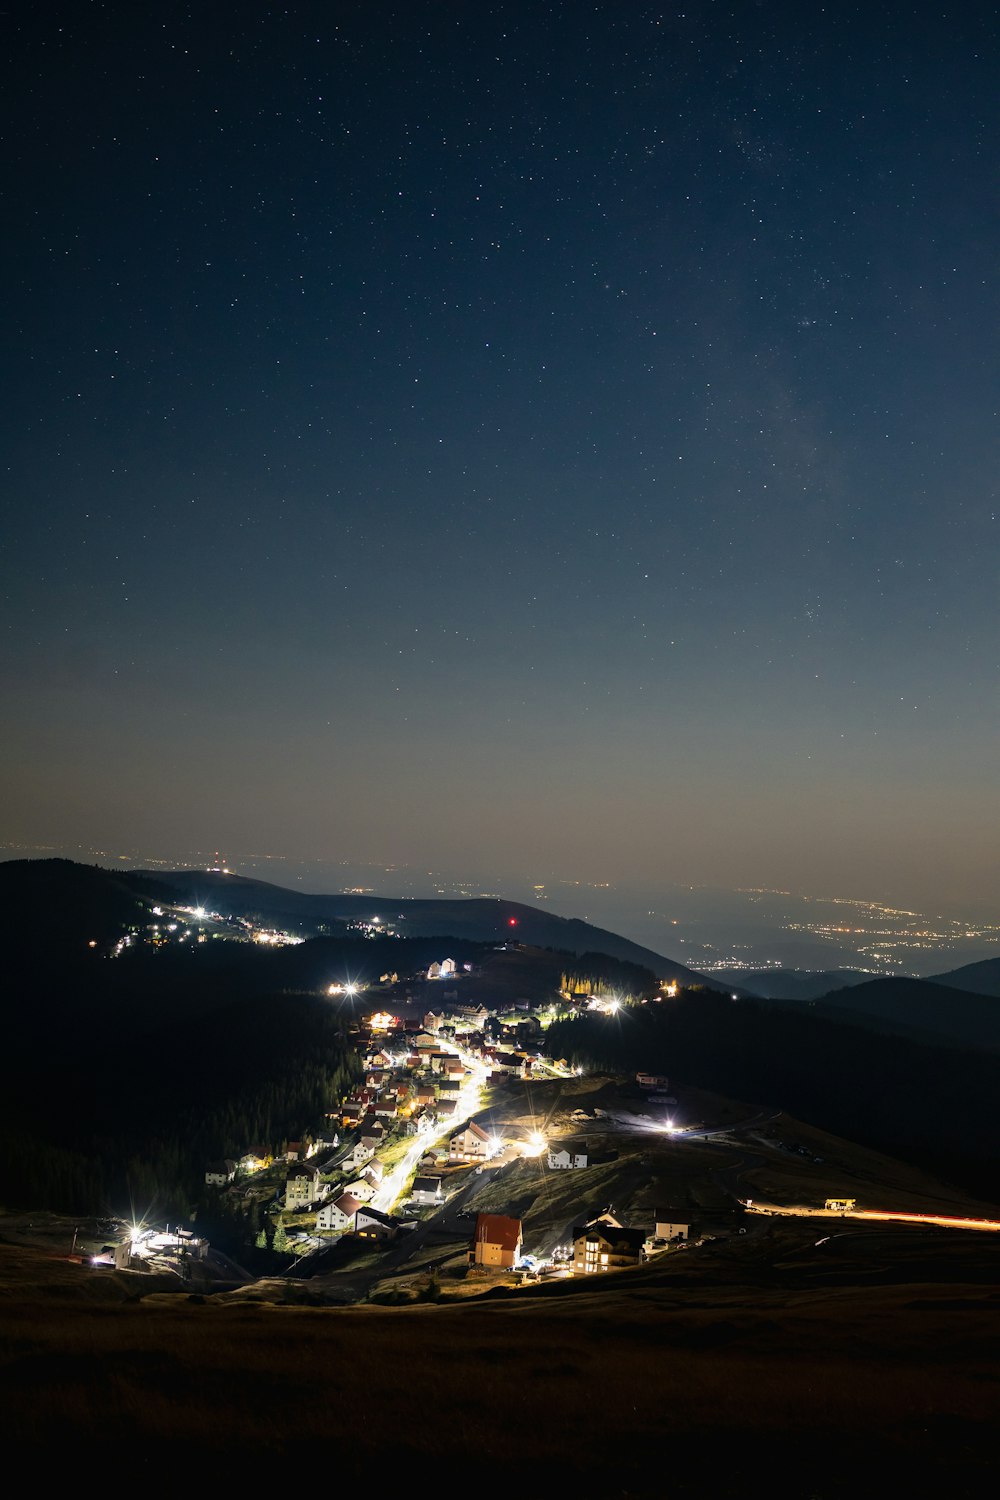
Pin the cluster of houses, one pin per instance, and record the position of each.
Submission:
(259, 1158)
(601, 1244)
(411, 1084)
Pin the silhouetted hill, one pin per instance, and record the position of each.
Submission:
(790, 984)
(929, 1104)
(982, 978)
(59, 907)
(481, 919)
(56, 907)
(953, 1015)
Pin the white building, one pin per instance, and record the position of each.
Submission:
(470, 1144)
(303, 1187)
(362, 1188)
(427, 1189)
(356, 1157)
(671, 1229)
(561, 1161)
(339, 1214)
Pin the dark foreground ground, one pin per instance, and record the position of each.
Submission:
(866, 1365)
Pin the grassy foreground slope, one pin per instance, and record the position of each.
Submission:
(822, 1385)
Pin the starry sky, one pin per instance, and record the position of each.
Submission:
(552, 439)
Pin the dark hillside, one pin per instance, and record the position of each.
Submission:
(953, 1014)
(479, 920)
(77, 1008)
(790, 984)
(54, 907)
(137, 1119)
(798, 1369)
(935, 1106)
(60, 907)
(982, 978)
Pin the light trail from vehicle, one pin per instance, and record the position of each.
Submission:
(871, 1215)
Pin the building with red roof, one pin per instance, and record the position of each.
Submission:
(497, 1242)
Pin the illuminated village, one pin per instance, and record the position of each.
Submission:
(410, 1142)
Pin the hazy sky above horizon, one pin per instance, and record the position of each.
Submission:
(535, 437)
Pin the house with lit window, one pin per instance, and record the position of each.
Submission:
(513, 1064)
(339, 1214)
(605, 1245)
(496, 1242)
(427, 1189)
(373, 1224)
(303, 1187)
(470, 1144)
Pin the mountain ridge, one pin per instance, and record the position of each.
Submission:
(95, 898)
(953, 1015)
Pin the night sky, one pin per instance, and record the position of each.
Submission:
(543, 438)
